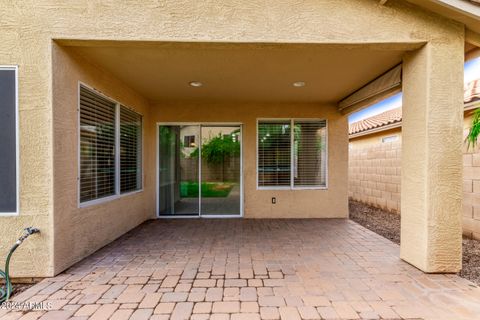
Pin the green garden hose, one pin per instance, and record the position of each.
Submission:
(6, 290)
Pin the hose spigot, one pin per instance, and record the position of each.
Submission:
(26, 233)
(6, 289)
(31, 230)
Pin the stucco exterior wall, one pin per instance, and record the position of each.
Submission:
(80, 231)
(371, 188)
(330, 203)
(28, 30)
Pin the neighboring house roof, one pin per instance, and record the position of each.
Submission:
(472, 91)
(393, 118)
(377, 121)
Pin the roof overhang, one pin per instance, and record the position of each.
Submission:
(472, 105)
(462, 11)
(380, 88)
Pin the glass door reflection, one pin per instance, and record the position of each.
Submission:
(199, 169)
(178, 170)
(220, 170)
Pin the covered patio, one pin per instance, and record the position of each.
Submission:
(283, 106)
(250, 269)
(97, 83)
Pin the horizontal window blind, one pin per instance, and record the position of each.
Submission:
(309, 153)
(130, 150)
(97, 146)
(274, 155)
(292, 153)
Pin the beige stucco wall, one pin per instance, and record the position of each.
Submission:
(431, 182)
(82, 230)
(28, 28)
(368, 151)
(290, 204)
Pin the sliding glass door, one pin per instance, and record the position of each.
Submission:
(220, 170)
(178, 171)
(199, 170)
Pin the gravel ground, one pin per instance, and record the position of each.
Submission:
(17, 287)
(387, 224)
(20, 287)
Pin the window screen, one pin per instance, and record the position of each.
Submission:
(309, 153)
(97, 146)
(130, 150)
(274, 155)
(8, 141)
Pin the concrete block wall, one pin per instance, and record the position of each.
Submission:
(374, 171)
(471, 187)
(471, 194)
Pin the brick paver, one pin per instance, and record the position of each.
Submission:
(249, 307)
(226, 307)
(250, 269)
(202, 307)
(182, 311)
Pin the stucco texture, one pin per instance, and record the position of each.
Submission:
(83, 229)
(431, 184)
(48, 101)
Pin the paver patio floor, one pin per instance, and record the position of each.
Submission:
(250, 269)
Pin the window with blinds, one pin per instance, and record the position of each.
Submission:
(97, 146)
(274, 155)
(309, 157)
(110, 147)
(130, 150)
(292, 153)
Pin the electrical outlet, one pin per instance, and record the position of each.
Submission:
(274, 200)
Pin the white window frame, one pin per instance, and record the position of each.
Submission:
(389, 139)
(17, 143)
(117, 194)
(292, 154)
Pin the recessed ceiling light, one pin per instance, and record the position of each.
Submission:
(299, 84)
(195, 84)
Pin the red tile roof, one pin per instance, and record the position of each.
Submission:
(379, 120)
(471, 93)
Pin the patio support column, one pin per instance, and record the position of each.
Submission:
(431, 183)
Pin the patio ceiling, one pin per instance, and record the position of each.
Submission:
(241, 72)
